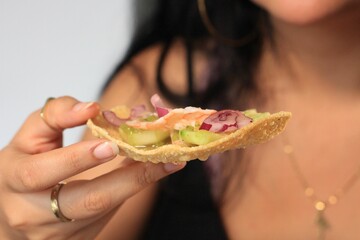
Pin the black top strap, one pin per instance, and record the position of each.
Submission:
(185, 208)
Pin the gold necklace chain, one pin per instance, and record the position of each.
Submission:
(319, 205)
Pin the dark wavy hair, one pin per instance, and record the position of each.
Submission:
(232, 67)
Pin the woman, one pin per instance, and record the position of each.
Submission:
(300, 56)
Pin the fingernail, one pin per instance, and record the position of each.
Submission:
(106, 151)
(82, 106)
(172, 167)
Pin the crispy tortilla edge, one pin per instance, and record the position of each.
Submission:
(258, 132)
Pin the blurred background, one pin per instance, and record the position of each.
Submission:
(55, 48)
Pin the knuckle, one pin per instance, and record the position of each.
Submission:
(54, 111)
(145, 175)
(96, 201)
(15, 221)
(66, 98)
(28, 176)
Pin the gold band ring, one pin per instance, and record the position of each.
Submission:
(55, 203)
(42, 113)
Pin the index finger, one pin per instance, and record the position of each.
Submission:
(39, 134)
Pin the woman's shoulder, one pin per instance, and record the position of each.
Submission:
(173, 70)
(129, 83)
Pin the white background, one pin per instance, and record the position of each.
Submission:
(54, 48)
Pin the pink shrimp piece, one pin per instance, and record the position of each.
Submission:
(177, 118)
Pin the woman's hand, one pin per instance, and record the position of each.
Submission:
(35, 161)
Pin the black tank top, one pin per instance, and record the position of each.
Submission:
(185, 209)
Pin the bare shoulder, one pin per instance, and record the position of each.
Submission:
(137, 81)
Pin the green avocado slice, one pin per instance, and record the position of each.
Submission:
(254, 115)
(198, 137)
(142, 138)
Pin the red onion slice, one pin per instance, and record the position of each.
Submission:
(137, 111)
(159, 106)
(111, 118)
(162, 111)
(225, 121)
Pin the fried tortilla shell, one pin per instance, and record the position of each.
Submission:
(257, 132)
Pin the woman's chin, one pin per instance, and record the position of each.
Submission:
(304, 12)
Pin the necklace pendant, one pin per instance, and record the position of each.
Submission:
(322, 224)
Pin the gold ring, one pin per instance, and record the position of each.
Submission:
(42, 113)
(55, 203)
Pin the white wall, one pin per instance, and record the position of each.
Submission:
(54, 48)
